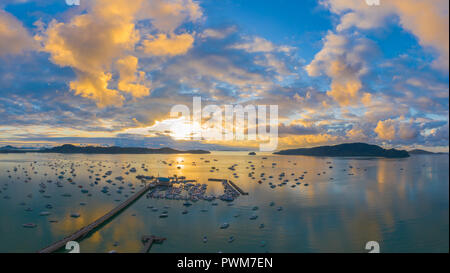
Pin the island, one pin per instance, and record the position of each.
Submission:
(72, 149)
(347, 149)
(423, 152)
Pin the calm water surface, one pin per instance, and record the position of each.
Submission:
(401, 203)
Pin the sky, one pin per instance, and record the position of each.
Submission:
(108, 72)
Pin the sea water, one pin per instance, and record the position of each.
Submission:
(402, 204)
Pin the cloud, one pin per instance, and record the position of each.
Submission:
(162, 45)
(217, 33)
(117, 51)
(439, 135)
(130, 78)
(407, 131)
(306, 140)
(104, 38)
(258, 44)
(90, 43)
(356, 134)
(428, 20)
(167, 15)
(14, 38)
(386, 129)
(295, 129)
(94, 86)
(275, 64)
(214, 68)
(396, 129)
(344, 60)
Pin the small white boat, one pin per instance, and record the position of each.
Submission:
(163, 215)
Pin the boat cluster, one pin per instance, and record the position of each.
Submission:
(192, 192)
(187, 191)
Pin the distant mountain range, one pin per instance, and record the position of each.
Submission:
(72, 149)
(347, 149)
(9, 147)
(423, 152)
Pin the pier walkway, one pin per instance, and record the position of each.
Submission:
(80, 234)
(236, 187)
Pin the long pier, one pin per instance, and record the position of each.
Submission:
(83, 232)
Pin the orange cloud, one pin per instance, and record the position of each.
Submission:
(345, 93)
(356, 134)
(167, 15)
(94, 86)
(386, 129)
(90, 43)
(162, 45)
(101, 42)
(344, 62)
(130, 78)
(306, 140)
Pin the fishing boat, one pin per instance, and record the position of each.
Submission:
(163, 215)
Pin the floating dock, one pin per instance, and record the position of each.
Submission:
(217, 180)
(148, 241)
(236, 187)
(80, 234)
